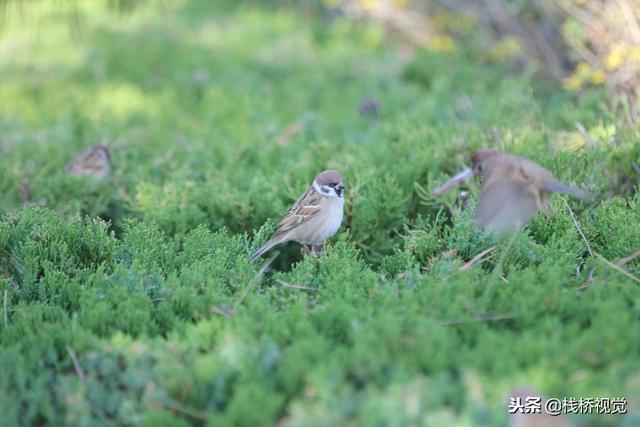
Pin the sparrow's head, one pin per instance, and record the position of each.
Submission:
(103, 149)
(329, 184)
(481, 159)
(480, 163)
(99, 156)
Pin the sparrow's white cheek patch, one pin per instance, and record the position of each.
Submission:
(325, 190)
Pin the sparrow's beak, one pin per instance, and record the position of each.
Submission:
(458, 179)
(339, 189)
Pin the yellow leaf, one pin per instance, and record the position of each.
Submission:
(583, 70)
(598, 77)
(507, 47)
(442, 43)
(634, 54)
(615, 57)
(574, 82)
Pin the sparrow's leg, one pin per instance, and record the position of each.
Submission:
(540, 199)
(542, 203)
(545, 205)
(306, 249)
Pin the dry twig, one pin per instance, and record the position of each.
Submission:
(24, 190)
(628, 259)
(617, 268)
(478, 258)
(485, 318)
(254, 281)
(226, 312)
(287, 285)
(590, 279)
(176, 407)
(76, 363)
(4, 306)
(575, 222)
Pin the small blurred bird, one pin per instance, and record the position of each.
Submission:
(314, 217)
(95, 162)
(513, 189)
(369, 107)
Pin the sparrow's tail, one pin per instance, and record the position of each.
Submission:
(264, 248)
(558, 187)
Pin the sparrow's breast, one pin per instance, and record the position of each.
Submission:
(325, 224)
(505, 205)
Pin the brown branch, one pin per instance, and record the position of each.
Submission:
(579, 14)
(185, 410)
(632, 22)
(617, 268)
(76, 363)
(628, 259)
(254, 281)
(4, 306)
(575, 222)
(485, 318)
(226, 312)
(24, 190)
(478, 258)
(590, 279)
(286, 285)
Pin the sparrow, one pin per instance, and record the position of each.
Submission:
(314, 217)
(513, 189)
(370, 108)
(95, 162)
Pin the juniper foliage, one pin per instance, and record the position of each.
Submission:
(132, 301)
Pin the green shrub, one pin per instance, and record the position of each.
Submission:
(132, 301)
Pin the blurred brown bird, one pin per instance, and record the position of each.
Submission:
(513, 190)
(94, 162)
(370, 107)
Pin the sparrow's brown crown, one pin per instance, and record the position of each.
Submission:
(480, 158)
(329, 177)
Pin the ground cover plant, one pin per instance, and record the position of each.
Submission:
(132, 301)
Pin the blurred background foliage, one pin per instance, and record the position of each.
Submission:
(581, 42)
(131, 301)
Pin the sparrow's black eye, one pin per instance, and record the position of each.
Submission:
(333, 184)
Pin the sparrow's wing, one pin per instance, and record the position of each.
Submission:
(305, 208)
(518, 169)
(505, 205)
(534, 173)
(531, 170)
(90, 161)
